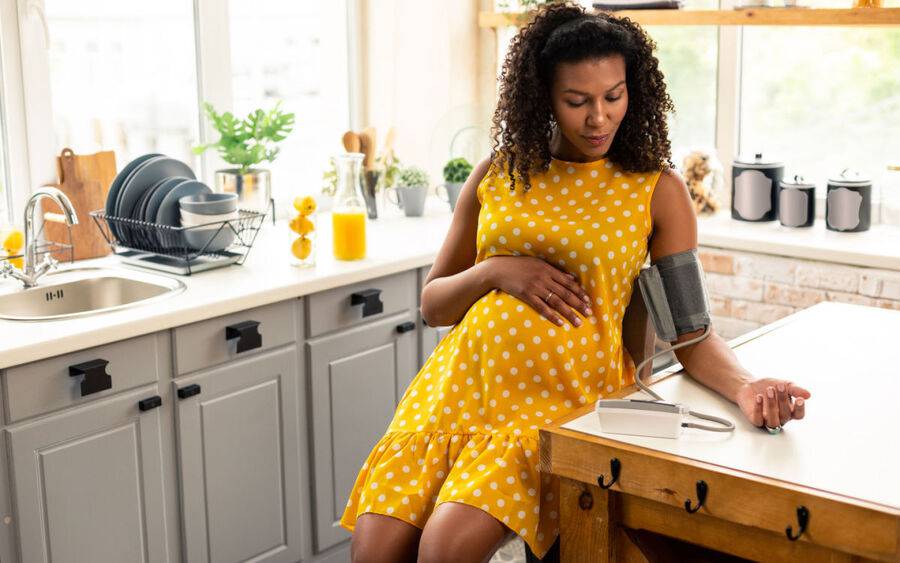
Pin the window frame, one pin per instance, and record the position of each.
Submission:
(27, 132)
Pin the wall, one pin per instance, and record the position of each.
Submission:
(748, 290)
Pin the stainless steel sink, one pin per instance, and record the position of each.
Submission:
(80, 292)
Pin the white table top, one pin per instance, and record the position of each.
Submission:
(848, 356)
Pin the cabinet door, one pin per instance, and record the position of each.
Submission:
(88, 483)
(356, 380)
(239, 460)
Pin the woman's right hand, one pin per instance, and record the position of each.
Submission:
(533, 280)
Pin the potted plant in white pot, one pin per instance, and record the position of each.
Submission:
(456, 171)
(410, 190)
(245, 143)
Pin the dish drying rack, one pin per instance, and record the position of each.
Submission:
(164, 248)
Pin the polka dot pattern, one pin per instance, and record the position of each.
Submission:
(466, 429)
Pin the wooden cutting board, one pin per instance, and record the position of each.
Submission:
(85, 179)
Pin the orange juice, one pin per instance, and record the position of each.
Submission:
(349, 234)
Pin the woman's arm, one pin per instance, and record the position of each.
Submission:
(711, 361)
(455, 282)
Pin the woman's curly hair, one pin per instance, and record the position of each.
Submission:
(564, 32)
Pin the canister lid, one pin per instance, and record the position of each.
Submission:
(756, 161)
(797, 181)
(849, 177)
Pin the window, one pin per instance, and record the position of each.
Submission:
(122, 77)
(295, 52)
(688, 59)
(819, 114)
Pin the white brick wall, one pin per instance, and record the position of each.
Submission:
(748, 290)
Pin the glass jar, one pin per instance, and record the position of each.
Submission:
(303, 232)
(348, 215)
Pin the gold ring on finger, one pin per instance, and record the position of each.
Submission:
(549, 295)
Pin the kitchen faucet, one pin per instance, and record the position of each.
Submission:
(30, 273)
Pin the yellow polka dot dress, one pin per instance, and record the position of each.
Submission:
(466, 429)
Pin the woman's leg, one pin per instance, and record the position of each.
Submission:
(459, 532)
(378, 538)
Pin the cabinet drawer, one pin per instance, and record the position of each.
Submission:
(374, 299)
(56, 383)
(215, 341)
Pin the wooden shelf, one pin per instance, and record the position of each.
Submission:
(746, 16)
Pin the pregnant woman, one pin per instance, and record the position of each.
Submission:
(537, 268)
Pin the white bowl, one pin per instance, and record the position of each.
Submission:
(189, 219)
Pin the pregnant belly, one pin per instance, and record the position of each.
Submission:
(507, 336)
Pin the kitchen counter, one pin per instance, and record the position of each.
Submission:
(395, 243)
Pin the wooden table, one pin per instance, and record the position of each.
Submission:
(841, 465)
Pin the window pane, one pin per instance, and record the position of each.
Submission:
(822, 99)
(295, 52)
(688, 57)
(123, 77)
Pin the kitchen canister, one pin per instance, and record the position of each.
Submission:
(754, 188)
(848, 202)
(796, 202)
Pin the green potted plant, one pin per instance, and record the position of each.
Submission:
(246, 143)
(410, 190)
(456, 171)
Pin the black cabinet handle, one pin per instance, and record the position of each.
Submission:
(188, 391)
(247, 334)
(95, 377)
(150, 403)
(406, 327)
(370, 299)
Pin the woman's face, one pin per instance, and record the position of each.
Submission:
(589, 101)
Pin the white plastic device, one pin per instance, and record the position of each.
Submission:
(641, 418)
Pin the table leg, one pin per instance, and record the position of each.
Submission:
(587, 524)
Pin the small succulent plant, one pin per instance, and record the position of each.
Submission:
(413, 176)
(457, 170)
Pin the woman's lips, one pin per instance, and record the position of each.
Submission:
(596, 140)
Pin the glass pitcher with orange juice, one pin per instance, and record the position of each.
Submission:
(348, 215)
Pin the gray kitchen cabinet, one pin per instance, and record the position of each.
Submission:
(356, 379)
(239, 449)
(429, 336)
(88, 482)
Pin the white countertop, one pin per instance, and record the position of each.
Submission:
(847, 356)
(879, 247)
(394, 244)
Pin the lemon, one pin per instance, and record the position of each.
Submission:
(18, 262)
(305, 204)
(14, 241)
(301, 248)
(301, 225)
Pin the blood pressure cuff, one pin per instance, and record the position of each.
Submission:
(674, 290)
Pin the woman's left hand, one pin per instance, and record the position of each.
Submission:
(772, 402)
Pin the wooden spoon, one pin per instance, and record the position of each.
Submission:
(388, 151)
(351, 141)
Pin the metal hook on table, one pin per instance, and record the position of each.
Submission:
(615, 467)
(702, 489)
(802, 521)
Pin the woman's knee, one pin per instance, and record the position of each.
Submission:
(378, 538)
(457, 532)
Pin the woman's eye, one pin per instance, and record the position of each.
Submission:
(575, 104)
(613, 99)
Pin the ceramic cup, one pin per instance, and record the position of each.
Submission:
(451, 193)
(410, 199)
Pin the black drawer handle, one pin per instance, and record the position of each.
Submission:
(95, 377)
(150, 403)
(188, 391)
(247, 334)
(406, 327)
(370, 299)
